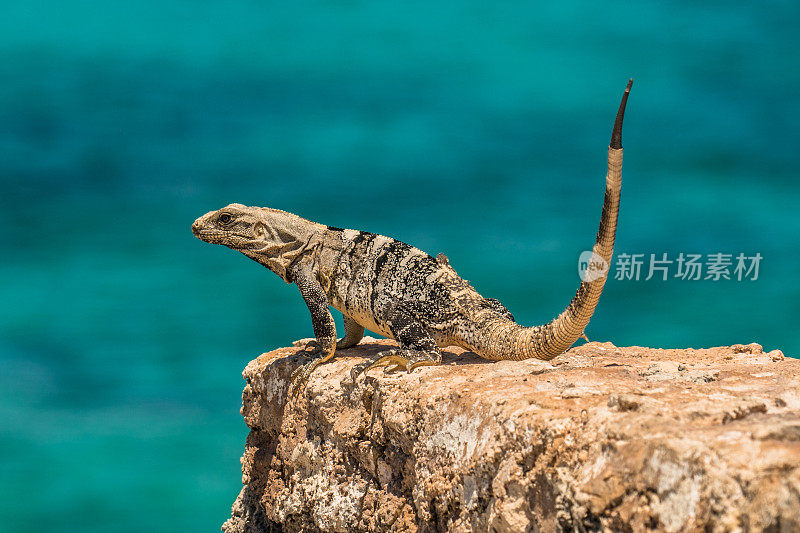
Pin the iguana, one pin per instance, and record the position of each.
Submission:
(399, 291)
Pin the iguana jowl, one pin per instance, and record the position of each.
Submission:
(399, 291)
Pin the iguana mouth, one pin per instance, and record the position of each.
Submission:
(214, 236)
(204, 234)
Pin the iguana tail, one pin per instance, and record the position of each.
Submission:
(504, 339)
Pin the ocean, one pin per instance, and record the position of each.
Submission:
(474, 129)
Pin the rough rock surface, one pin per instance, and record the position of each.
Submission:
(600, 438)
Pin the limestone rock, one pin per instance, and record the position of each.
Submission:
(598, 439)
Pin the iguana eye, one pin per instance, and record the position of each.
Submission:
(225, 218)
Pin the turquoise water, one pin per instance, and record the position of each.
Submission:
(472, 129)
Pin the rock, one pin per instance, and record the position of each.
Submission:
(598, 439)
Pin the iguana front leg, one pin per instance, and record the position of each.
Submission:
(353, 333)
(321, 321)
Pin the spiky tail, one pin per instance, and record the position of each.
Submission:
(503, 339)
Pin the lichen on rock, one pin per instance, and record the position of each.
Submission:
(599, 438)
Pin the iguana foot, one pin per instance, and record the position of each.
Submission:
(311, 349)
(318, 355)
(299, 377)
(397, 359)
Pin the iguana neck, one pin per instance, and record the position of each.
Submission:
(285, 239)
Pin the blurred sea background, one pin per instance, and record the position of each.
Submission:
(471, 128)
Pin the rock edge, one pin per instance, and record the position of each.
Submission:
(599, 438)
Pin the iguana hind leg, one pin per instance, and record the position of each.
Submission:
(499, 307)
(417, 347)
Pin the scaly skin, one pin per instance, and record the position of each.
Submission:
(399, 291)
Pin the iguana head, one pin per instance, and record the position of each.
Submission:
(271, 237)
